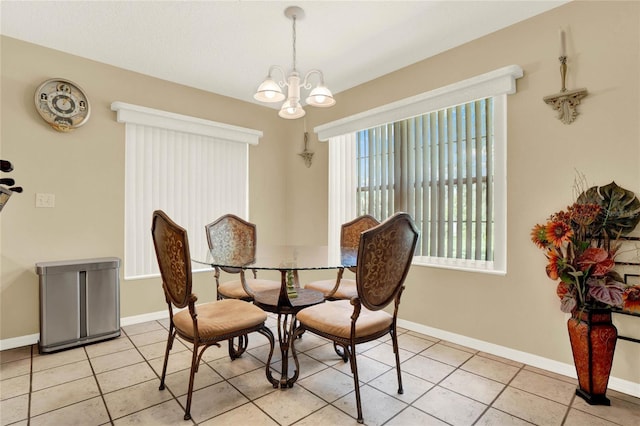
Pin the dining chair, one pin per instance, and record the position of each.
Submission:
(345, 288)
(231, 236)
(202, 325)
(385, 253)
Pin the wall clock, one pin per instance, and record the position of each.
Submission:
(62, 104)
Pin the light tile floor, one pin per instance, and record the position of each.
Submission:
(115, 382)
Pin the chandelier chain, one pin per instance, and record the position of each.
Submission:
(294, 42)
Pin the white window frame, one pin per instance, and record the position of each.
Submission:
(497, 84)
(194, 169)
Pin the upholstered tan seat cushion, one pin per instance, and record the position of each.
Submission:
(234, 289)
(346, 290)
(335, 318)
(220, 317)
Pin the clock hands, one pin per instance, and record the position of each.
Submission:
(62, 104)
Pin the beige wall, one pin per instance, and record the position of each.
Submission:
(521, 310)
(85, 171)
(289, 201)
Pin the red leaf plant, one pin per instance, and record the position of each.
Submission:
(580, 244)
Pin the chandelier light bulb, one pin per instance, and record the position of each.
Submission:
(321, 97)
(269, 91)
(291, 109)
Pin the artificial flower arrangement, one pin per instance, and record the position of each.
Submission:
(581, 244)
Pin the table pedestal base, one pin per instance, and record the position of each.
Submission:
(279, 302)
(286, 326)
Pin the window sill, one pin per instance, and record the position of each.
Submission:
(459, 265)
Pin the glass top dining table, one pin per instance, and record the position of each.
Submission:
(290, 298)
(279, 257)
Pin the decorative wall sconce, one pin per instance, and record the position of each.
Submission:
(306, 155)
(566, 101)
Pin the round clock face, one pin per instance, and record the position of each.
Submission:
(62, 104)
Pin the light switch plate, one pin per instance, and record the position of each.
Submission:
(45, 200)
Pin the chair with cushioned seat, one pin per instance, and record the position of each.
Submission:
(345, 288)
(202, 325)
(231, 234)
(385, 253)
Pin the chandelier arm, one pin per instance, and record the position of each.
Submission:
(283, 82)
(305, 83)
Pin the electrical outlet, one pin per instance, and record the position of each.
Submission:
(45, 200)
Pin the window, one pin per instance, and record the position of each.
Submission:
(438, 167)
(441, 157)
(195, 170)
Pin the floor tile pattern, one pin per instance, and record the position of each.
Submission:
(115, 382)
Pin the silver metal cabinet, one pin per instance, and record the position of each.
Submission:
(79, 302)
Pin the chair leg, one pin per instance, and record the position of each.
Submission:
(172, 335)
(394, 339)
(342, 353)
(356, 381)
(234, 352)
(192, 374)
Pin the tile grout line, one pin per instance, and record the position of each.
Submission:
(566, 414)
(95, 378)
(30, 386)
(173, 395)
(327, 403)
(393, 368)
(224, 379)
(493, 401)
(366, 355)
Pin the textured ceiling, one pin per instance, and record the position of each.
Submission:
(226, 47)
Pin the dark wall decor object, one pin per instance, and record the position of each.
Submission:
(306, 155)
(62, 104)
(565, 101)
(7, 185)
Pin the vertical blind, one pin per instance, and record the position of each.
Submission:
(194, 169)
(342, 180)
(438, 167)
(193, 178)
(447, 174)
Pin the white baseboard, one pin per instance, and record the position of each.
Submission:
(32, 339)
(620, 385)
(17, 342)
(617, 384)
(137, 319)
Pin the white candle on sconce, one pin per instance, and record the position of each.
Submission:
(563, 43)
(565, 101)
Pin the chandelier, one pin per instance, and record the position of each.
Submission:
(271, 91)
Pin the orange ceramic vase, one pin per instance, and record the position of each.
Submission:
(593, 341)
